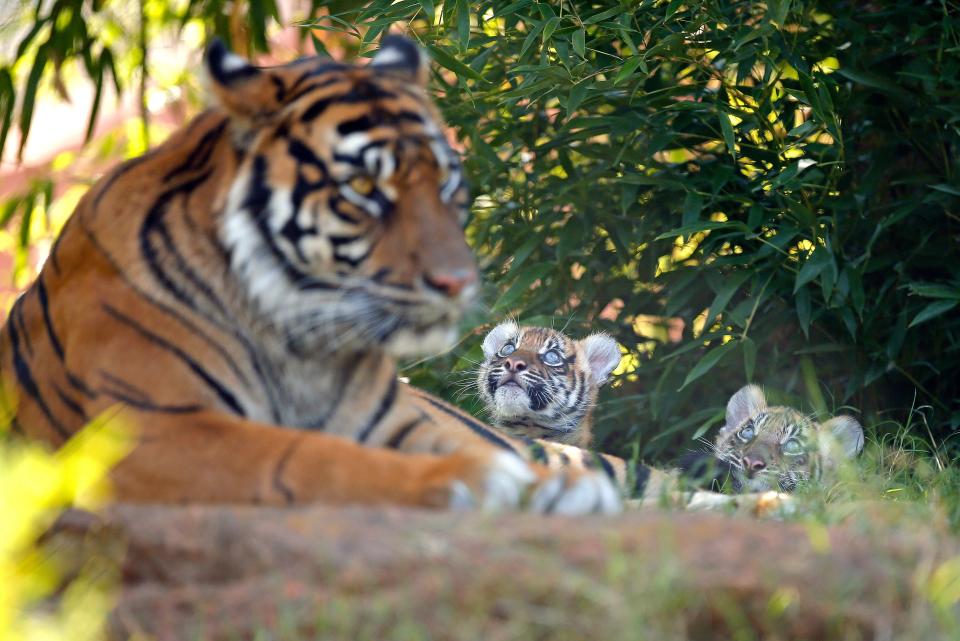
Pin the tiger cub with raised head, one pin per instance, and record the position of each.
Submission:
(538, 383)
(778, 448)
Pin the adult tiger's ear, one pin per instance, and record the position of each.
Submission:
(603, 356)
(247, 92)
(748, 401)
(498, 337)
(848, 433)
(404, 58)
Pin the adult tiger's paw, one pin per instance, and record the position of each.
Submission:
(503, 481)
(571, 492)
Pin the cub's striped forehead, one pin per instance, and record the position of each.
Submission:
(541, 339)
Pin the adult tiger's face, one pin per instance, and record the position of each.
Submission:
(537, 382)
(344, 223)
(778, 447)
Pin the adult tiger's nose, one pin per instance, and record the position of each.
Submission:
(450, 283)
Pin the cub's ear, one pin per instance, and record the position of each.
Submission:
(247, 92)
(603, 356)
(404, 58)
(848, 432)
(498, 337)
(747, 402)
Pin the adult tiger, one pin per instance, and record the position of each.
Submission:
(259, 271)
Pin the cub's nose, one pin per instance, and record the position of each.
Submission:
(515, 365)
(753, 465)
(452, 282)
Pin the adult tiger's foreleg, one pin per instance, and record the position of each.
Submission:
(224, 458)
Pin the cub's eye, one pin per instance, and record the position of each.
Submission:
(792, 447)
(747, 433)
(506, 350)
(363, 185)
(552, 358)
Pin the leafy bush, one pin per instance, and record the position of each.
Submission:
(735, 190)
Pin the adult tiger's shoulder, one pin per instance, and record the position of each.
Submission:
(242, 292)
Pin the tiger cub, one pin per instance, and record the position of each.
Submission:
(778, 448)
(536, 382)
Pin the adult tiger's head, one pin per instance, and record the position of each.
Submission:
(775, 447)
(538, 383)
(344, 222)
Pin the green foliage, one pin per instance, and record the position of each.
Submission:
(735, 190)
(780, 177)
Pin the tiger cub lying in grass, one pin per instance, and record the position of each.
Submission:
(777, 447)
(537, 383)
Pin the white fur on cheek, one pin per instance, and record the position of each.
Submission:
(255, 266)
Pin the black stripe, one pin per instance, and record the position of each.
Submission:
(475, 426)
(45, 307)
(154, 224)
(17, 317)
(398, 437)
(642, 475)
(73, 405)
(314, 110)
(192, 327)
(124, 385)
(198, 157)
(147, 406)
(385, 404)
(537, 452)
(25, 376)
(219, 389)
(356, 125)
(278, 483)
(605, 465)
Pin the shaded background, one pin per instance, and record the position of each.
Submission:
(737, 191)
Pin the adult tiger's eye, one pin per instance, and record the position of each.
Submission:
(363, 185)
(506, 350)
(792, 447)
(747, 433)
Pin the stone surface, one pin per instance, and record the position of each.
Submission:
(221, 572)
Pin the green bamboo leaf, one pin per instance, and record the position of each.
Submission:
(444, 59)
(549, 28)
(627, 69)
(524, 279)
(804, 312)
(429, 9)
(95, 104)
(728, 288)
(728, 139)
(30, 96)
(933, 310)
(812, 267)
(579, 42)
(511, 8)
(531, 38)
(463, 24)
(707, 363)
(8, 101)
